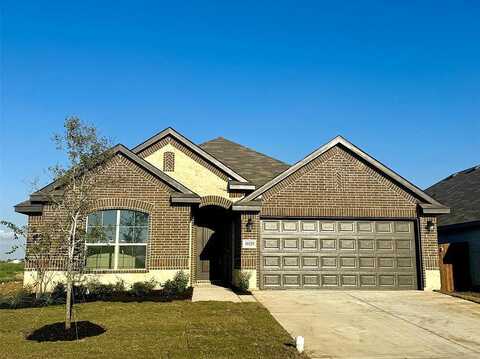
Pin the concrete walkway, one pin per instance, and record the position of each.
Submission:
(367, 325)
(208, 292)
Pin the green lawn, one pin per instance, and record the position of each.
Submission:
(10, 271)
(153, 330)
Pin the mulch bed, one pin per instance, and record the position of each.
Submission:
(56, 332)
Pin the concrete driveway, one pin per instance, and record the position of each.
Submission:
(362, 324)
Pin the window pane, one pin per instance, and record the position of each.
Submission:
(131, 257)
(95, 219)
(100, 257)
(141, 234)
(126, 234)
(109, 218)
(109, 233)
(141, 219)
(96, 234)
(127, 218)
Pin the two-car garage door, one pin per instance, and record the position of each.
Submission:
(338, 254)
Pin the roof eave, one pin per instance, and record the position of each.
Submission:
(339, 140)
(28, 208)
(433, 209)
(250, 206)
(181, 198)
(192, 146)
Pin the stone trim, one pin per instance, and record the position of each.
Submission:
(215, 201)
(122, 203)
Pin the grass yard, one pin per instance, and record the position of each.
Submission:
(10, 272)
(153, 330)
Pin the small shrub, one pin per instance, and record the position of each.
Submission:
(97, 290)
(142, 289)
(22, 298)
(119, 286)
(59, 292)
(80, 291)
(44, 300)
(178, 285)
(243, 281)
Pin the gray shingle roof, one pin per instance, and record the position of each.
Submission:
(256, 167)
(460, 192)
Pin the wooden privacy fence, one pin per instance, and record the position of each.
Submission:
(454, 267)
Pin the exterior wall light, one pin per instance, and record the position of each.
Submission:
(249, 225)
(430, 226)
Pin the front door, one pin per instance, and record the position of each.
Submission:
(205, 252)
(213, 245)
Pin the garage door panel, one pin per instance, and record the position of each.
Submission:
(383, 227)
(289, 226)
(310, 263)
(309, 226)
(347, 244)
(271, 244)
(309, 244)
(328, 243)
(348, 262)
(291, 244)
(338, 254)
(327, 227)
(311, 280)
(346, 227)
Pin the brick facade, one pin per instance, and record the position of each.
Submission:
(135, 189)
(336, 185)
(339, 185)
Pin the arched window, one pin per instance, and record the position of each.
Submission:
(116, 239)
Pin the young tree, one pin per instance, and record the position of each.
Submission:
(68, 199)
(39, 253)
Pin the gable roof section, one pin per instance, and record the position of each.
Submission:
(461, 192)
(256, 167)
(33, 205)
(193, 147)
(431, 206)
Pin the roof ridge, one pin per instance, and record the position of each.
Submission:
(246, 147)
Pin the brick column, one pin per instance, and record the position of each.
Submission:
(246, 259)
(429, 250)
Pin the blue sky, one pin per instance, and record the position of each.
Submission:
(399, 79)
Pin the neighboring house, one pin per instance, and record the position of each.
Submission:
(336, 219)
(461, 192)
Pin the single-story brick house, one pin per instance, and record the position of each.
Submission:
(461, 192)
(336, 219)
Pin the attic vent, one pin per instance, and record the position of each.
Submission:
(169, 162)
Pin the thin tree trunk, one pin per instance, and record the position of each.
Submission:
(68, 305)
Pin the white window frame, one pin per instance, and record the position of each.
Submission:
(117, 244)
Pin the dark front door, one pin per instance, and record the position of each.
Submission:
(205, 239)
(213, 245)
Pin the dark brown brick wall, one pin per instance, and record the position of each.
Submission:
(337, 185)
(168, 246)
